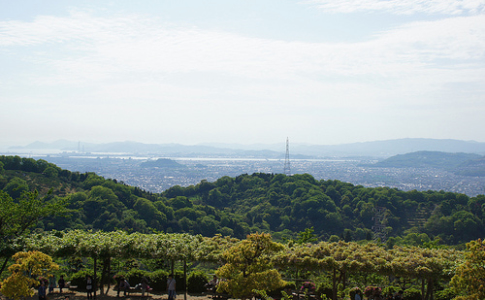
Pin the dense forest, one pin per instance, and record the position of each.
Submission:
(274, 203)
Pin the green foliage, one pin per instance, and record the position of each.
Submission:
(306, 236)
(134, 276)
(18, 286)
(249, 267)
(158, 280)
(262, 293)
(353, 291)
(324, 289)
(469, 280)
(51, 172)
(196, 281)
(16, 187)
(412, 294)
(390, 290)
(20, 215)
(446, 294)
(79, 278)
(285, 206)
(28, 265)
(249, 263)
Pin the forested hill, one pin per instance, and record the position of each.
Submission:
(276, 203)
(464, 163)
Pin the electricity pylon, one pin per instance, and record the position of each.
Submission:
(287, 169)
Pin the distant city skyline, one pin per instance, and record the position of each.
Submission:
(320, 72)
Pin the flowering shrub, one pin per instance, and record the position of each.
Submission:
(308, 286)
(372, 290)
(118, 277)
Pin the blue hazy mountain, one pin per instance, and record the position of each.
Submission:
(466, 164)
(381, 149)
(427, 159)
(393, 147)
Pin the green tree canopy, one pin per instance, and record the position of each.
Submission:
(18, 216)
(27, 266)
(248, 266)
(469, 280)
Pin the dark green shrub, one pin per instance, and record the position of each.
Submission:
(179, 278)
(79, 278)
(372, 290)
(196, 281)
(276, 294)
(355, 290)
(412, 294)
(134, 276)
(158, 280)
(446, 294)
(291, 285)
(324, 289)
(390, 290)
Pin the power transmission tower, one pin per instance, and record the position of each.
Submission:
(287, 169)
(380, 221)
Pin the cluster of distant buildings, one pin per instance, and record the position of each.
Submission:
(193, 170)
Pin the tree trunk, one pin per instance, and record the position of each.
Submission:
(4, 265)
(429, 290)
(405, 283)
(109, 272)
(95, 275)
(185, 279)
(344, 279)
(104, 275)
(423, 296)
(334, 285)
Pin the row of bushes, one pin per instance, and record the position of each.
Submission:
(157, 279)
(413, 293)
(197, 279)
(409, 294)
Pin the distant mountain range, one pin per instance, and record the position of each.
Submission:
(427, 159)
(400, 146)
(378, 149)
(467, 164)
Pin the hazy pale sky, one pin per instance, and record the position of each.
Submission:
(249, 71)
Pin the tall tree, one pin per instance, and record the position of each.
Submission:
(27, 265)
(427, 265)
(249, 267)
(469, 279)
(338, 259)
(20, 215)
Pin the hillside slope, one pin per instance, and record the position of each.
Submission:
(430, 159)
(467, 164)
(236, 206)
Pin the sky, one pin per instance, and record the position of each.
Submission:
(322, 72)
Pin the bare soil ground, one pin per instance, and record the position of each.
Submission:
(112, 295)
